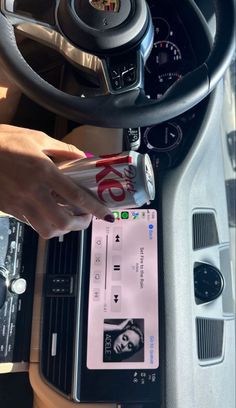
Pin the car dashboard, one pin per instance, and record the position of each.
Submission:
(195, 337)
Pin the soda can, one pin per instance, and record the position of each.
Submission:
(123, 180)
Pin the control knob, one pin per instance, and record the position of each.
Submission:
(208, 282)
(18, 286)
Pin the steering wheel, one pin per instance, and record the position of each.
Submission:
(112, 38)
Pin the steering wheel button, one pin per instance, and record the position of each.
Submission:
(116, 83)
(115, 73)
(129, 77)
(124, 68)
(131, 65)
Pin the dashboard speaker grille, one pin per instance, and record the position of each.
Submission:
(210, 333)
(205, 232)
(59, 313)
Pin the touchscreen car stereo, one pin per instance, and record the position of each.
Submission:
(123, 293)
(103, 344)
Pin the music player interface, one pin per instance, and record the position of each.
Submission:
(123, 293)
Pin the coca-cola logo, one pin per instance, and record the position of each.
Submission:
(106, 181)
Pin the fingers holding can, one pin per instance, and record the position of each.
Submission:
(82, 199)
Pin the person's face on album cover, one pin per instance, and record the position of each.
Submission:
(126, 342)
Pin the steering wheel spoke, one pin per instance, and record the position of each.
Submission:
(52, 38)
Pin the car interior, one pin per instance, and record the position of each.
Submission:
(155, 77)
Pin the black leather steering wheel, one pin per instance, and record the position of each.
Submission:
(116, 37)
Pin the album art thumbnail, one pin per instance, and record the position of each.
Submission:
(123, 340)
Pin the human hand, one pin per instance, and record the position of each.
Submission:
(125, 323)
(31, 182)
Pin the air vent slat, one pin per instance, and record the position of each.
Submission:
(210, 333)
(205, 232)
(61, 253)
(60, 370)
(59, 313)
(55, 330)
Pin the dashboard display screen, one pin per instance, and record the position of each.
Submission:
(40, 10)
(123, 293)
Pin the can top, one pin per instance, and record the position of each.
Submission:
(146, 190)
(149, 177)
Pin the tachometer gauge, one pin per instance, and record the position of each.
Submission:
(163, 53)
(166, 52)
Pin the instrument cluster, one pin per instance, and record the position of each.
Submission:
(172, 57)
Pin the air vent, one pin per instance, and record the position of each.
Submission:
(63, 256)
(205, 232)
(209, 339)
(59, 312)
(57, 344)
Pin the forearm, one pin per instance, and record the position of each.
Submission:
(114, 327)
(111, 327)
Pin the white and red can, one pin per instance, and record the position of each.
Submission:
(123, 180)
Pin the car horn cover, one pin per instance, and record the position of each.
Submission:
(100, 27)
